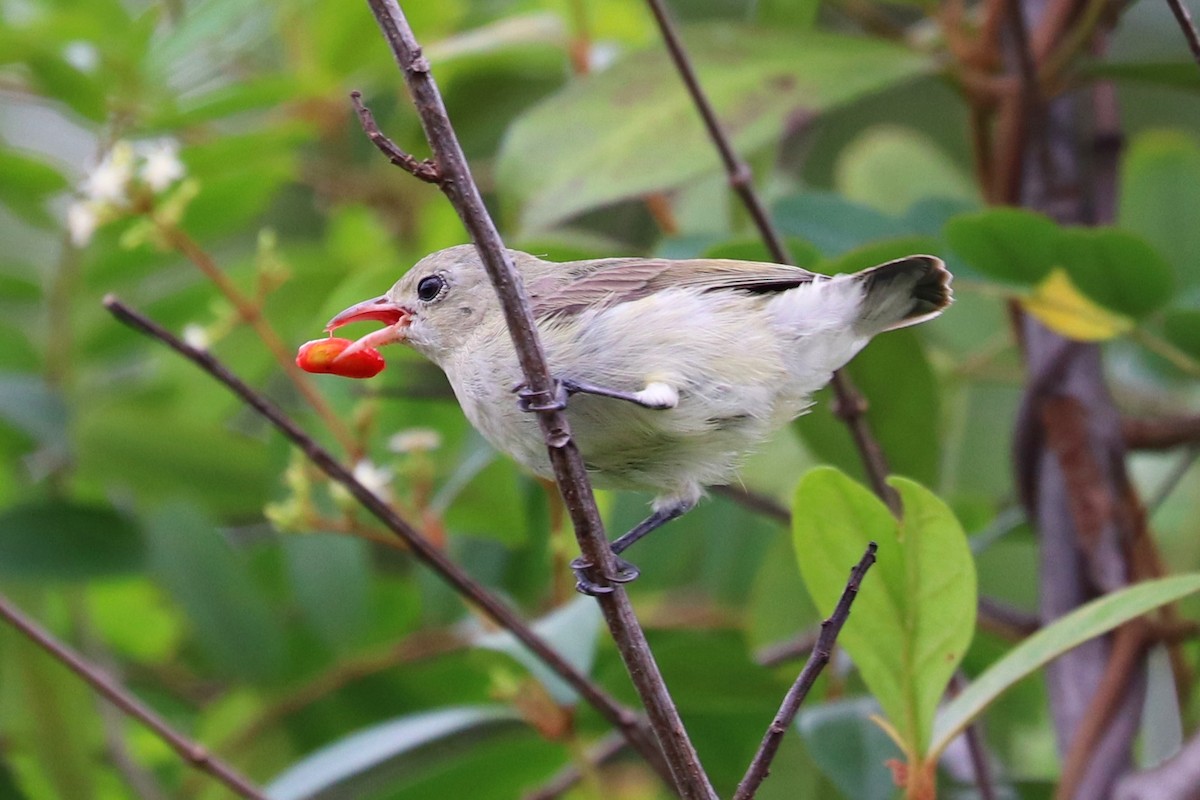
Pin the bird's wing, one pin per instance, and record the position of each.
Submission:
(580, 285)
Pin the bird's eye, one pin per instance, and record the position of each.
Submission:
(430, 287)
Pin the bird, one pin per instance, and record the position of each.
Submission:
(675, 369)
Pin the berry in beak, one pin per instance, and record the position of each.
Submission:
(396, 318)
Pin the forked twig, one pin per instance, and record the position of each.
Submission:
(760, 765)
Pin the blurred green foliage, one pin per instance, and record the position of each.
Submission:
(165, 531)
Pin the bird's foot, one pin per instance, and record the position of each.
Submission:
(657, 396)
(584, 584)
(553, 400)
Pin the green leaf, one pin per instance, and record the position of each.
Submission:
(915, 613)
(62, 81)
(1009, 244)
(28, 404)
(133, 619)
(802, 253)
(571, 630)
(1182, 329)
(1176, 75)
(25, 185)
(1160, 190)
(228, 611)
(632, 129)
(891, 168)
(330, 576)
(832, 223)
(44, 714)
(246, 95)
(849, 747)
(786, 13)
(1087, 622)
(365, 758)
(61, 540)
(1117, 269)
(904, 413)
(126, 449)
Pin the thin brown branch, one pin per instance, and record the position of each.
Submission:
(1184, 18)
(569, 776)
(1124, 663)
(850, 406)
(415, 647)
(773, 655)
(976, 749)
(623, 718)
(758, 503)
(250, 313)
(567, 462)
(760, 765)
(1160, 433)
(425, 170)
(191, 752)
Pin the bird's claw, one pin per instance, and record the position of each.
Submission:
(553, 400)
(584, 584)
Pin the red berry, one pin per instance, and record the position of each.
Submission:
(325, 355)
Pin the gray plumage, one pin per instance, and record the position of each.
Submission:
(724, 352)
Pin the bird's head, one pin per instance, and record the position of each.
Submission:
(441, 299)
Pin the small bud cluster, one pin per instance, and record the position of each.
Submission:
(128, 170)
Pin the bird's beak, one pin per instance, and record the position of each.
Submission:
(395, 317)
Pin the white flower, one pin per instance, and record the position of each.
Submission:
(415, 440)
(377, 480)
(81, 55)
(82, 220)
(161, 166)
(195, 336)
(110, 179)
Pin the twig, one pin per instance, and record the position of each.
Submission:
(423, 170)
(414, 648)
(192, 752)
(1187, 26)
(624, 719)
(562, 782)
(778, 653)
(849, 406)
(976, 751)
(759, 503)
(1182, 468)
(1162, 433)
(567, 462)
(760, 765)
(250, 313)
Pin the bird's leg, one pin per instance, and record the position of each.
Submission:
(656, 396)
(627, 572)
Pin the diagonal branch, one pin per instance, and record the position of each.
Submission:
(760, 765)
(192, 752)
(459, 187)
(422, 549)
(849, 404)
(1187, 26)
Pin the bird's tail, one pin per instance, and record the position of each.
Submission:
(903, 292)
